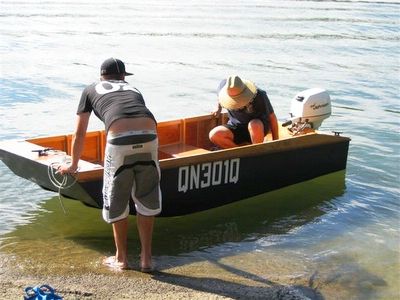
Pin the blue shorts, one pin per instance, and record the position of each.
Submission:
(241, 132)
(131, 170)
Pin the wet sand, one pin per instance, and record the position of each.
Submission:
(189, 282)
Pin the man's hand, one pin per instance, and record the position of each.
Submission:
(67, 169)
(217, 112)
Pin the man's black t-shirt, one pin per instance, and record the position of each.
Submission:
(112, 100)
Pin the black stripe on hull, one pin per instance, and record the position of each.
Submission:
(257, 175)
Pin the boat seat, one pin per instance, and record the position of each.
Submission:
(181, 150)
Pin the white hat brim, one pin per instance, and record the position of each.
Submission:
(239, 101)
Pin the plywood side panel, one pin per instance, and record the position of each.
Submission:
(92, 150)
(59, 142)
(170, 133)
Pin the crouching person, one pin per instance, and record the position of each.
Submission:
(250, 114)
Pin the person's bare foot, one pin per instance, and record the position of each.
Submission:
(113, 264)
(149, 269)
(146, 265)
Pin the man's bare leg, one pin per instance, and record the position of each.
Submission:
(120, 230)
(145, 227)
(256, 130)
(222, 137)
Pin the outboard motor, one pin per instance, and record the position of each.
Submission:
(308, 109)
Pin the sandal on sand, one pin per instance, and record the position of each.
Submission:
(113, 264)
(44, 292)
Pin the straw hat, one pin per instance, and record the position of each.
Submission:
(236, 93)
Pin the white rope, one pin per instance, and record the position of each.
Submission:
(60, 184)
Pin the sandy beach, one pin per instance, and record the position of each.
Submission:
(191, 282)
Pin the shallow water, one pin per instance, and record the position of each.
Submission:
(340, 230)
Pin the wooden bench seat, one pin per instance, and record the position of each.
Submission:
(181, 150)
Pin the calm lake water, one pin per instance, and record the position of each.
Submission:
(342, 230)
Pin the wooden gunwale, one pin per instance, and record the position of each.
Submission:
(302, 141)
(182, 142)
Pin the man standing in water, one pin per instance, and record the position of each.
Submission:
(131, 168)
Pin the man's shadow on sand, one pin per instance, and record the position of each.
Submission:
(262, 288)
(349, 275)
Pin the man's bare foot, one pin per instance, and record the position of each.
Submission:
(113, 264)
(146, 265)
(149, 269)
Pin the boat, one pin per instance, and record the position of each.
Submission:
(195, 176)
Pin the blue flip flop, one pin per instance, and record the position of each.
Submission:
(30, 293)
(43, 292)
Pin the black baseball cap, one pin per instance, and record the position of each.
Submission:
(113, 66)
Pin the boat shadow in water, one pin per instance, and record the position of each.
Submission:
(75, 241)
(275, 212)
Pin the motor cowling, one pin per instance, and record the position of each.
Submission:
(310, 107)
